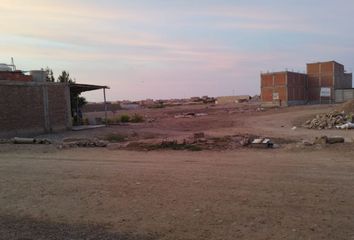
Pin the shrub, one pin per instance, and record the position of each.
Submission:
(137, 118)
(85, 121)
(112, 120)
(176, 146)
(125, 118)
(115, 138)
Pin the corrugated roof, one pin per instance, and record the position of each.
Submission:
(79, 88)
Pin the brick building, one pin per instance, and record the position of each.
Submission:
(30, 107)
(290, 88)
(283, 88)
(15, 76)
(326, 75)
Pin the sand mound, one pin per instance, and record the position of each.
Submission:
(347, 107)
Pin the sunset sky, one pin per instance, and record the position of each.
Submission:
(174, 48)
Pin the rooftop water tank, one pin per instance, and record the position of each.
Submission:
(5, 67)
(39, 75)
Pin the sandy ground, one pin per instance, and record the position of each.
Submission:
(287, 193)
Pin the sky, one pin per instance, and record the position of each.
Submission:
(174, 48)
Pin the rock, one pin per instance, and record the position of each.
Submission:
(245, 141)
(202, 140)
(42, 141)
(306, 143)
(70, 143)
(321, 140)
(101, 143)
(113, 146)
(199, 135)
(329, 140)
(276, 146)
(201, 114)
(3, 141)
(18, 140)
(333, 140)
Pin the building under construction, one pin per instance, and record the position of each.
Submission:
(324, 82)
(31, 105)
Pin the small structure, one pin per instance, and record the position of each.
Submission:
(30, 107)
(232, 99)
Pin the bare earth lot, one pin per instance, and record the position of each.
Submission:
(97, 193)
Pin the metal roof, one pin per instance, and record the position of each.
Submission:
(79, 88)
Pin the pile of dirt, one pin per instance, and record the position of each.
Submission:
(347, 107)
(328, 120)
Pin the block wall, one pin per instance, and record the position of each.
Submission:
(274, 83)
(297, 87)
(23, 109)
(320, 75)
(15, 76)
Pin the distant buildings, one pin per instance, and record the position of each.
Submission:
(321, 84)
(232, 99)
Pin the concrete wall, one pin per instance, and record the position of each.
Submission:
(342, 79)
(297, 87)
(343, 95)
(32, 108)
(274, 83)
(231, 99)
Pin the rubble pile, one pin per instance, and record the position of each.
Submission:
(328, 121)
(329, 140)
(18, 140)
(190, 115)
(83, 142)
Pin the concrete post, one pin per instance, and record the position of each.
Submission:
(46, 108)
(68, 116)
(105, 105)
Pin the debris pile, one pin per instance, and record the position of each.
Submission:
(323, 140)
(200, 141)
(262, 143)
(328, 140)
(83, 142)
(18, 140)
(328, 120)
(190, 115)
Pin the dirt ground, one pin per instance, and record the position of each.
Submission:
(294, 192)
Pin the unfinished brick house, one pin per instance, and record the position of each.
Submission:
(291, 88)
(29, 105)
(326, 75)
(284, 88)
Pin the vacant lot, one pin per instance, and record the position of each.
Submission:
(288, 193)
